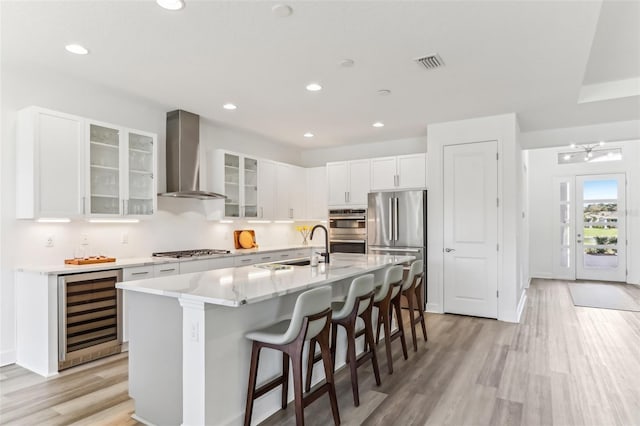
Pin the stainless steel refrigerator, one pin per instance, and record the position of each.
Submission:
(397, 224)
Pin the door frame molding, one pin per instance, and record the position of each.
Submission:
(499, 216)
(503, 129)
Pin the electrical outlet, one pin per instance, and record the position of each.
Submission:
(49, 241)
(84, 239)
(194, 332)
(124, 238)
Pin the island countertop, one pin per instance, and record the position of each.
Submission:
(251, 284)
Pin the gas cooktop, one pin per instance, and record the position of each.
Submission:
(190, 253)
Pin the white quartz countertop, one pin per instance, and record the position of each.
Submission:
(252, 284)
(62, 269)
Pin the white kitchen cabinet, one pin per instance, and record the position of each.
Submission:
(236, 176)
(290, 192)
(348, 183)
(400, 172)
(120, 171)
(245, 260)
(49, 173)
(130, 274)
(201, 265)
(316, 193)
(166, 269)
(267, 183)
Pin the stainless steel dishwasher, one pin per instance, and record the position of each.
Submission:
(89, 317)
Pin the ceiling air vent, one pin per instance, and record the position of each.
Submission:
(430, 61)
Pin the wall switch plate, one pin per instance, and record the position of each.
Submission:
(49, 241)
(124, 238)
(84, 239)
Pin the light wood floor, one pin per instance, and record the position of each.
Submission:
(562, 365)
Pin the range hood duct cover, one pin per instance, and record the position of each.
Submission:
(183, 158)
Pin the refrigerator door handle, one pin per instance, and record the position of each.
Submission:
(404, 250)
(395, 216)
(391, 219)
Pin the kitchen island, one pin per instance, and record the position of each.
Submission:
(188, 358)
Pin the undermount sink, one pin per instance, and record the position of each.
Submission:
(295, 262)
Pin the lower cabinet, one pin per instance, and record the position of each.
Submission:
(202, 265)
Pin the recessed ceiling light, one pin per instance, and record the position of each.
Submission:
(308, 135)
(282, 10)
(77, 49)
(567, 157)
(601, 143)
(314, 87)
(378, 124)
(384, 92)
(171, 4)
(346, 63)
(573, 145)
(229, 106)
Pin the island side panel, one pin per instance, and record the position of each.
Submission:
(155, 357)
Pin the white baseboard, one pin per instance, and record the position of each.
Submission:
(434, 308)
(521, 304)
(544, 275)
(7, 357)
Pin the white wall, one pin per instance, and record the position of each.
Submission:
(321, 156)
(543, 167)
(504, 129)
(179, 223)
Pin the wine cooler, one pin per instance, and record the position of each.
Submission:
(90, 317)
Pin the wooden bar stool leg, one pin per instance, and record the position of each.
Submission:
(310, 359)
(253, 374)
(386, 321)
(419, 297)
(296, 358)
(325, 350)
(334, 340)
(403, 340)
(410, 298)
(353, 363)
(366, 316)
(285, 379)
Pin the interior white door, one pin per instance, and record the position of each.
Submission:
(471, 229)
(601, 227)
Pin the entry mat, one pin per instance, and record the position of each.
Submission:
(604, 296)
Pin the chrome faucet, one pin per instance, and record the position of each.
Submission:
(326, 241)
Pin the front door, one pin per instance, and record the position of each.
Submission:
(471, 229)
(600, 227)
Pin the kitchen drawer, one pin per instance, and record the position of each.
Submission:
(268, 257)
(137, 273)
(221, 263)
(198, 265)
(247, 260)
(166, 269)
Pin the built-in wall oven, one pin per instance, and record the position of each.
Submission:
(348, 231)
(89, 317)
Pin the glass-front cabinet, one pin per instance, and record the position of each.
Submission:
(121, 171)
(239, 184)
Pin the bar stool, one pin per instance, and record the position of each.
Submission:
(311, 319)
(412, 289)
(387, 297)
(358, 304)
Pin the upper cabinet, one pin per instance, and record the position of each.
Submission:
(290, 192)
(69, 166)
(401, 172)
(236, 176)
(120, 171)
(49, 172)
(267, 175)
(348, 183)
(317, 193)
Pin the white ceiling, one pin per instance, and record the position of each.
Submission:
(525, 57)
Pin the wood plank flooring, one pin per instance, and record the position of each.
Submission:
(562, 365)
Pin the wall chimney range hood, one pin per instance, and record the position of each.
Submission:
(183, 157)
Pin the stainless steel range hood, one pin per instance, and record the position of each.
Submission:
(183, 158)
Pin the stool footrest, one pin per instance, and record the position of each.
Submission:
(315, 394)
(274, 383)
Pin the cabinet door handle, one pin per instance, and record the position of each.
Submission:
(140, 273)
(245, 260)
(261, 213)
(83, 204)
(345, 196)
(168, 270)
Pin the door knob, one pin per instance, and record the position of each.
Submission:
(449, 250)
